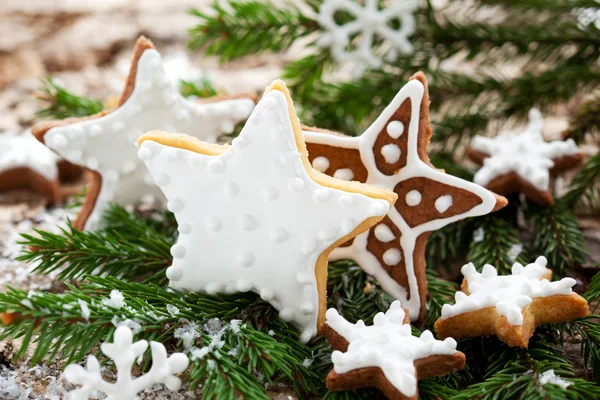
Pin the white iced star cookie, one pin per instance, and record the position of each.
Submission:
(509, 306)
(523, 162)
(392, 153)
(255, 216)
(26, 163)
(105, 143)
(386, 354)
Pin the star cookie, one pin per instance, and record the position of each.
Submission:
(105, 143)
(523, 162)
(26, 163)
(509, 306)
(392, 153)
(386, 355)
(255, 216)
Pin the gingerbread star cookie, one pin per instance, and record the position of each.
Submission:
(255, 215)
(510, 306)
(386, 355)
(26, 163)
(392, 153)
(105, 143)
(523, 162)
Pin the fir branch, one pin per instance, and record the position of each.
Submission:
(585, 119)
(588, 330)
(585, 185)
(448, 244)
(593, 290)
(440, 292)
(201, 88)
(552, 5)
(249, 27)
(557, 236)
(64, 104)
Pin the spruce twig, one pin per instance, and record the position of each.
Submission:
(586, 184)
(64, 104)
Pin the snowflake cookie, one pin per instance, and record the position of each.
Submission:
(368, 33)
(105, 143)
(509, 306)
(523, 162)
(386, 355)
(125, 354)
(392, 153)
(255, 215)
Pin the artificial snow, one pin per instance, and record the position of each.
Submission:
(478, 235)
(116, 300)
(188, 334)
(85, 310)
(514, 251)
(550, 377)
(171, 309)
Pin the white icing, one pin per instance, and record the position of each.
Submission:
(391, 153)
(415, 167)
(510, 294)
(387, 344)
(392, 257)
(383, 233)
(413, 198)
(370, 25)
(526, 154)
(320, 164)
(443, 203)
(108, 143)
(344, 174)
(25, 151)
(395, 129)
(257, 240)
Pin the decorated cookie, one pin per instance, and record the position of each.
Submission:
(255, 215)
(523, 162)
(26, 163)
(392, 153)
(510, 306)
(386, 355)
(105, 143)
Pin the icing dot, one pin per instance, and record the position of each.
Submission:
(307, 309)
(327, 234)
(320, 164)
(216, 166)
(240, 142)
(295, 184)
(232, 189)
(270, 102)
(320, 195)
(380, 207)
(161, 179)
(129, 167)
(175, 205)
(344, 174)
(118, 127)
(213, 224)
(309, 246)
(173, 273)
(348, 225)
(95, 130)
(178, 251)
(395, 129)
(280, 235)
(443, 203)
(57, 141)
(413, 198)
(383, 233)
(266, 294)
(287, 314)
(246, 259)
(185, 229)
(248, 223)
(76, 131)
(243, 286)
(212, 288)
(227, 126)
(346, 200)
(392, 257)
(144, 153)
(270, 193)
(391, 153)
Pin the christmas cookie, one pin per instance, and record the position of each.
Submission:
(392, 153)
(386, 355)
(523, 162)
(510, 306)
(105, 143)
(255, 215)
(26, 163)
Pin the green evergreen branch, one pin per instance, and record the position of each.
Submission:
(593, 290)
(249, 27)
(440, 292)
(588, 330)
(202, 88)
(64, 104)
(586, 184)
(586, 119)
(551, 5)
(557, 236)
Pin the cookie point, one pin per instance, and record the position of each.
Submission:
(541, 260)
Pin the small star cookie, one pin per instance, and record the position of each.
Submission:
(105, 143)
(386, 355)
(510, 306)
(255, 215)
(392, 153)
(523, 162)
(26, 163)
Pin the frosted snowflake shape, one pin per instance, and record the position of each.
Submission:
(124, 353)
(360, 34)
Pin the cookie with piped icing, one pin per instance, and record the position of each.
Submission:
(523, 162)
(255, 216)
(509, 306)
(392, 153)
(386, 355)
(105, 143)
